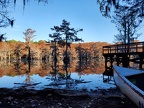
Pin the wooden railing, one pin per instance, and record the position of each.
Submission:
(124, 48)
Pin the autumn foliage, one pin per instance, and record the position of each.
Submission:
(13, 50)
(83, 58)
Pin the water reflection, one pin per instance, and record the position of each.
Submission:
(40, 74)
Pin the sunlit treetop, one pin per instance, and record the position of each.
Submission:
(29, 34)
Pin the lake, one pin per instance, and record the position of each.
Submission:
(40, 74)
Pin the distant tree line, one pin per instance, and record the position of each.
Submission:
(16, 50)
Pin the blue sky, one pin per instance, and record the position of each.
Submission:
(80, 13)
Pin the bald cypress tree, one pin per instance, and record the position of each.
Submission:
(29, 35)
(68, 35)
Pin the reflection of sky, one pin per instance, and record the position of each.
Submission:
(8, 82)
(96, 82)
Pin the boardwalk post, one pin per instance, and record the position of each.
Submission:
(125, 60)
(141, 61)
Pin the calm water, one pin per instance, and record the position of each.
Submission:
(39, 75)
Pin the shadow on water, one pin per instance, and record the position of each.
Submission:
(60, 75)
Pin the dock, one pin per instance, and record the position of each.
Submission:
(122, 55)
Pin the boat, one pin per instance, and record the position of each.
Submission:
(131, 83)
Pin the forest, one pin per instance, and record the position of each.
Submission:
(42, 50)
(85, 57)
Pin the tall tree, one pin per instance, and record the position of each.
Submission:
(127, 15)
(29, 34)
(68, 35)
(127, 24)
(56, 38)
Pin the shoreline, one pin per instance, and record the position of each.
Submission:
(56, 98)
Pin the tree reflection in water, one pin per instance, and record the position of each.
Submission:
(61, 75)
(28, 81)
(58, 74)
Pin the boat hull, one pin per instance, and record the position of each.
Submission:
(135, 94)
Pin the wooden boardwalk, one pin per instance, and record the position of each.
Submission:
(122, 55)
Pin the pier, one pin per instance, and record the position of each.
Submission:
(122, 55)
